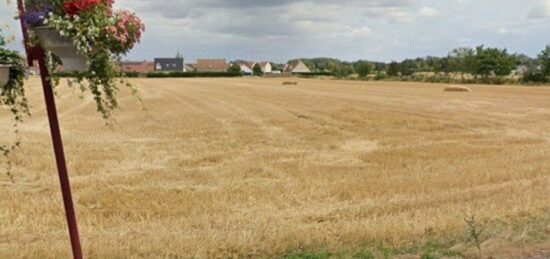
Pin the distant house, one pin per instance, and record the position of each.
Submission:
(297, 67)
(169, 64)
(141, 67)
(211, 65)
(247, 70)
(189, 68)
(247, 67)
(266, 67)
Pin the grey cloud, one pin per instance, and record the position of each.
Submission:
(245, 18)
(539, 12)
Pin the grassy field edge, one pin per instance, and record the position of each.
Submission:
(527, 237)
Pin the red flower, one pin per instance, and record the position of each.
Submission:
(75, 7)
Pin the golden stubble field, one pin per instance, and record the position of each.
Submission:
(252, 168)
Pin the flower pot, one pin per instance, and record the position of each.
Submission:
(4, 75)
(62, 47)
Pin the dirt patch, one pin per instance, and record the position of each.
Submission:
(360, 146)
(457, 88)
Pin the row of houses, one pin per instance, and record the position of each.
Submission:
(174, 65)
(207, 65)
(247, 67)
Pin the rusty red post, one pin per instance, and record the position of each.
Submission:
(36, 53)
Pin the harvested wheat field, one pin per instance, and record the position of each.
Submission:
(219, 168)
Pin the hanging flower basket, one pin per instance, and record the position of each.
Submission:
(4, 75)
(62, 47)
(87, 37)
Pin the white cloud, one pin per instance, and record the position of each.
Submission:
(362, 31)
(400, 16)
(502, 31)
(428, 12)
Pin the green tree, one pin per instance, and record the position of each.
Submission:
(408, 67)
(393, 69)
(442, 65)
(363, 68)
(524, 60)
(277, 67)
(544, 61)
(340, 70)
(234, 68)
(534, 75)
(493, 61)
(257, 70)
(462, 60)
(379, 66)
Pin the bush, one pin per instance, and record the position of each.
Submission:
(234, 68)
(130, 74)
(363, 69)
(534, 77)
(380, 76)
(493, 80)
(257, 70)
(439, 79)
(191, 74)
(313, 74)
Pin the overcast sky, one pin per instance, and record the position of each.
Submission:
(381, 30)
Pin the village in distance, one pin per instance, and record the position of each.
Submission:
(247, 68)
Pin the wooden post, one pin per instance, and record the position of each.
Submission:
(36, 53)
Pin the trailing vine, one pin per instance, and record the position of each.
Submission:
(12, 95)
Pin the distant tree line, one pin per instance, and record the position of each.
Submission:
(340, 68)
(477, 65)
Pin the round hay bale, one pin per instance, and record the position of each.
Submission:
(290, 83)
(457, 88)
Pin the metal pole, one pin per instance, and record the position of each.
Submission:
(60, 160)
(36, 53)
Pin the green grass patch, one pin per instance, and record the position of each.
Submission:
(522, 232)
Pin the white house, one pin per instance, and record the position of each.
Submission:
(297, 67)
(246, 70)
(266, 67)
(247, 67)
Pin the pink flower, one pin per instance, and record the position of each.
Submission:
(125, 31)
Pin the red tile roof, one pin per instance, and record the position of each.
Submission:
(249, 64)
(140, 66)
(211, 65)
